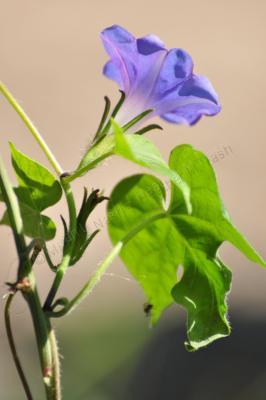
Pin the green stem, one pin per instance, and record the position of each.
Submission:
(89, 286)
(37, 136)
(27, 285)
(12, 346)
(14, 217)
(61, 270)
(48, 258)
(42, 331)
(56, 366)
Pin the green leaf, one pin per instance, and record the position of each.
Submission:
(137, 149)
(41, 188)
(196, 170)
(158, 240)
(142, 151)
(152, 253)
(35, 225)
(38, 189)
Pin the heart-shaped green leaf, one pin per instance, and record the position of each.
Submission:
(159, 239)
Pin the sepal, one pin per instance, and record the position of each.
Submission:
(83, 237)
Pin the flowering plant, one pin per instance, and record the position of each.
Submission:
(154, 236)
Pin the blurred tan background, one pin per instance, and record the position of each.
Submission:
(51, 59)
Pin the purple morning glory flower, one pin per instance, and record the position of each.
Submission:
(153, 77)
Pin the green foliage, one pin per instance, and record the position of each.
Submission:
(168, 241)
(135, 148)
(159, 239)
(38, 189)
(160, 233)
(142, 151)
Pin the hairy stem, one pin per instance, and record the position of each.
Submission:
(89, 286)
(56, 366)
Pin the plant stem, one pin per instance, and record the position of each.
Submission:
(89, 286)
(56, 365)
(12, 346)
(6, 93)
(48, 258)
(26, 283)
(68, 248)
(42, 331)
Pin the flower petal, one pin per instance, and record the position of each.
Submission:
(135, 63)
(149, 44)
(112, 71)
(190, 114)
(151, 54)
(189, 101)
(200, 87)
(177, 67)
(122, 49)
